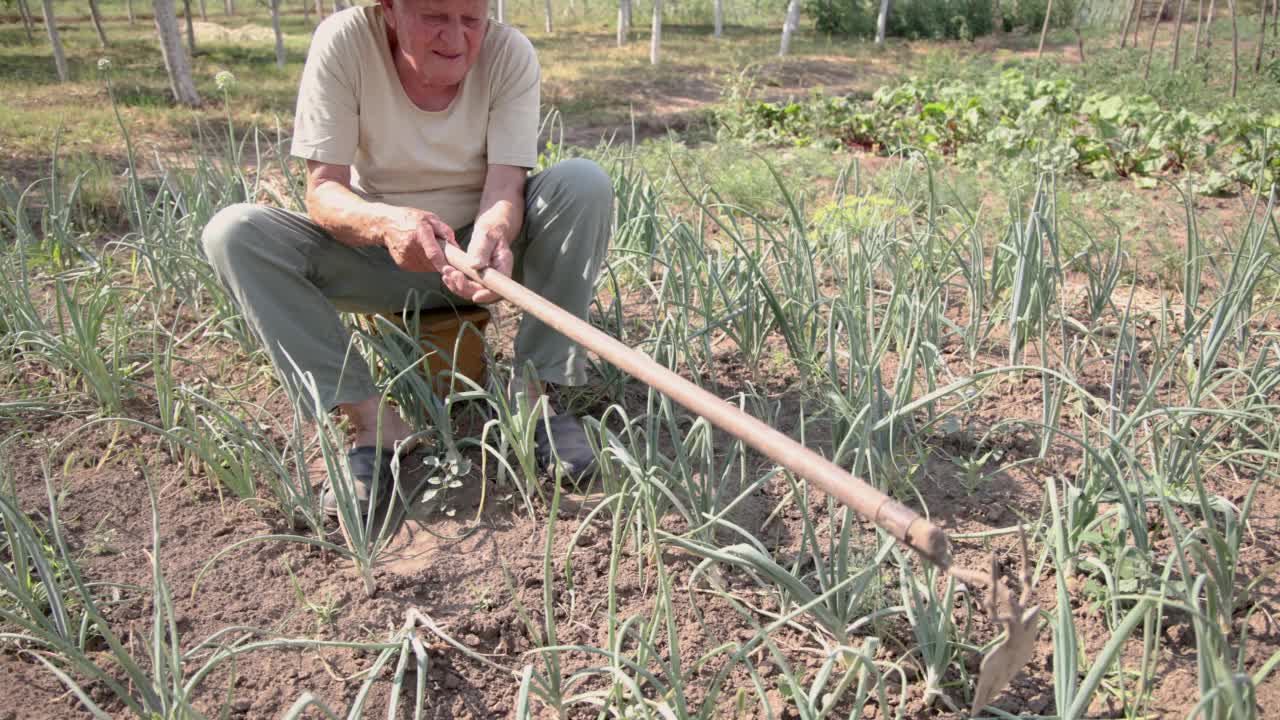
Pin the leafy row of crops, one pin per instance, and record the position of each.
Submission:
(1014, 120)
(889, 338)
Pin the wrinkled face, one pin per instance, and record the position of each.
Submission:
(439, 40)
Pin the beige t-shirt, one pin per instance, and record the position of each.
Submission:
(352, 110)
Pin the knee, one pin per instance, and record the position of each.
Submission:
(584, 182)
(230, 232)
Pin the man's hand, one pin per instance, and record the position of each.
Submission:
(497, 223)
(414, 242)
(415, 238)
(489, 249)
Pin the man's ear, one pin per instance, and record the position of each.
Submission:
(388, 14)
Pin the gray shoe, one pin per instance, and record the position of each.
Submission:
(363, 462)
(565, 445)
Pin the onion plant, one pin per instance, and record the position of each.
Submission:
(85, 343)
(367, 527)
(1033, 244)
(930, 616)
(54, 620)
(1206, 558)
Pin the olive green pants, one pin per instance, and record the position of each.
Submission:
(291, 278)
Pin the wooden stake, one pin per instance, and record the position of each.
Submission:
(1137, 23)
(27, 23)
(1195, 52)
(1151, 45)
(1044, 30)
(1235, 49)
(1208, 25)
(1124, 27)
(95, 18)
(55, 41)
(1177, 33)
(1262, 38)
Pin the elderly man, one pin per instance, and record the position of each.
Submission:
(418, 120)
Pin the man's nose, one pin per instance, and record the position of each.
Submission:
(452, 33)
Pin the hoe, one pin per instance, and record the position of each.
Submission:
(1011, 611)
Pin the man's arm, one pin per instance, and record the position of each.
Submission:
(351, 219)
(412, 236)
(499, 221)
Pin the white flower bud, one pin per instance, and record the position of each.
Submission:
(224, 80)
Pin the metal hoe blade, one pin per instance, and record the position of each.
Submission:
(1019, 621)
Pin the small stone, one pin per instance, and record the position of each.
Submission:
(776, 704)
(1183, 635)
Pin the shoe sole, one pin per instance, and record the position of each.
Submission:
(402, 452)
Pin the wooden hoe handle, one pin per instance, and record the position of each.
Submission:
(902, 522)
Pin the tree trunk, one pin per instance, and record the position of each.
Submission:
(27, 23)
(997, 19)
(191, 27)
(788, 27)
(624, 22)
(547, 11)
(204, 12)
(1137, 23)
(1151, 44)
(128, 8)
(1177, 33)
(1044, 29)
(1262, 38)
(655, 36)
(1235, 49)
(1075, 27)
(319, 11)
(229, 7)
(882, 21)
(275, 27)
(1208, 25)
(502, 11)
(719, 20)
(95, 17)
(306, 11)
(1124, 27)
(51, 25)
(1195, 51)
(175, 58)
